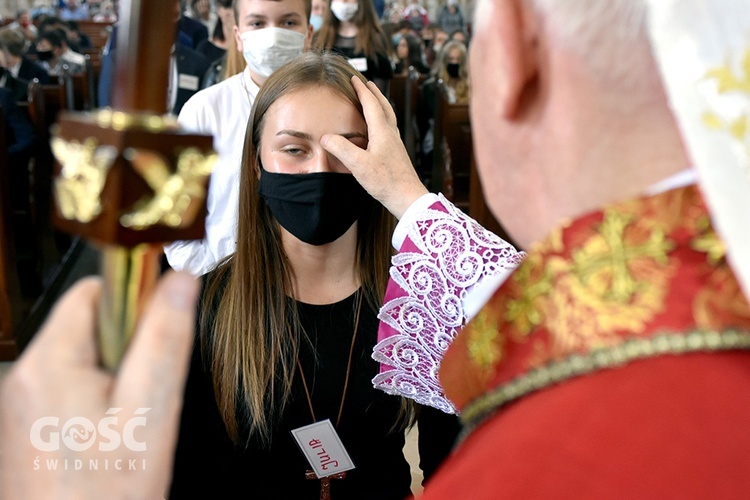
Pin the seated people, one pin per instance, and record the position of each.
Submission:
(24, 26)
(16, 70)
(409, 54)
(55, 56)
(74, 10)
(451, 70)
(188, 68)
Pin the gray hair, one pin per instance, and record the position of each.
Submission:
(610, 36)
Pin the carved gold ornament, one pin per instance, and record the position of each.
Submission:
(177, 196)
(84, 171)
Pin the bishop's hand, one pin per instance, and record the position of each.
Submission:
(384, 168)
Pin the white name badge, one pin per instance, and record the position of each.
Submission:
(189, 82)
(359, 63)
(323, 449)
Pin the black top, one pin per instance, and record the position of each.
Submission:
(210, 51)
(206, 460)
(379, 68)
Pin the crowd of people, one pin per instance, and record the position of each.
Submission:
(609, 361)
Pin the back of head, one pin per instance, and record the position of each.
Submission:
(53, 36)
(12, 42)
(610, 38)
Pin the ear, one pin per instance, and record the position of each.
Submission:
(308, 37)
(238, 39)
(516, 37)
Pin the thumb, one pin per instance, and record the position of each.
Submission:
(347, 153)
(155, 366)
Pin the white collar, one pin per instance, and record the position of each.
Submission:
(683, 178)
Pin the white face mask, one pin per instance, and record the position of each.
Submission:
(344, 11)
(268, 49)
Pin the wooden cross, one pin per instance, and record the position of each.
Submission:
(128, 178)
(325, 482)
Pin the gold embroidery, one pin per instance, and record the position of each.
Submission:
(525, 313)
(580, 364)
(603, 264)
(727, 81)
(484, 342)
(708, 242)
(616, 282)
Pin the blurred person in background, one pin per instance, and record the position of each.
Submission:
(55, 56)
(353, 30)
(24, 25)
(451, 17)
(409, 54)
(16, 70)
(451, 70)
(201, 10)
(74, 10)
(319, 12)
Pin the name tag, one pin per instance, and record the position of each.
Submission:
(189, 82)
(323, 448)
(359, 63)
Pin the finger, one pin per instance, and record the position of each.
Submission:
(154, 369)
(345, 151)
(68, 335)
(375, 115)
(390, 114)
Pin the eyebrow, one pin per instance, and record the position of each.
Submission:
(288, 15)
(308, 137)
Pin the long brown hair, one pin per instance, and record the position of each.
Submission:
(247, 341)
(370, 38)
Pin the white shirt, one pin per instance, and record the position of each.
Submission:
(222, 111)
(74, 57)
(13, 70)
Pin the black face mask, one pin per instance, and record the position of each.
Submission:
(44, 55)
(316, 208)
(453, 69)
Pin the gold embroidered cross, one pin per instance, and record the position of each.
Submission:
(325, 483)
(611, 253)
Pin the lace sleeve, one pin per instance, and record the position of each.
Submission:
(445, 254)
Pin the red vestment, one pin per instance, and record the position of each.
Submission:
(613, 363)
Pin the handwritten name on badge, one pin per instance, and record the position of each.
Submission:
(323, 448)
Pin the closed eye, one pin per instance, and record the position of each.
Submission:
(293, 151)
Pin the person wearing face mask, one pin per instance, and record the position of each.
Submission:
(287, 324)
(268, 33)
(53, 54)
(352, 29)
(319, 11)
(450, 70)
